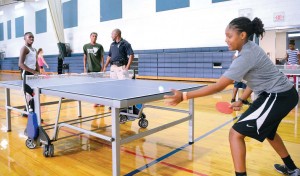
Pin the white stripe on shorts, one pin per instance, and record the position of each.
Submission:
(255, 115)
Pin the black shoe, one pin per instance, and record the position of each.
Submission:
(286, 171)
(232, 100)
(24, 115)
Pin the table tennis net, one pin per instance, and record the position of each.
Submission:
(72, 78)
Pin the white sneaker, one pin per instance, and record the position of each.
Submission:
(284, 170)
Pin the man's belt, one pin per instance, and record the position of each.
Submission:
(117, 63)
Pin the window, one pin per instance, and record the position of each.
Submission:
(41, 21)
(19, 26)
(70, 14)
(163, 5)
(9, 29)
(215, 1)
(110, 10)
(1, 32)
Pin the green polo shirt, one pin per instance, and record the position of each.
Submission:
(94, 53)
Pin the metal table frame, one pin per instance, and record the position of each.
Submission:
(292, 70)
(115, 105)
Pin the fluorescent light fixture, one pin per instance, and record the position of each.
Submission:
(294, 35)
(1, 13)
(20, 5)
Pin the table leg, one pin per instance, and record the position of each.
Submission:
(79, 112)
(8, 111)
(37, 107)
(55, 133)
(296, 120)
(297, 83)
(116, 143)
(191, 121)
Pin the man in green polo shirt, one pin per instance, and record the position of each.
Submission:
(93, 55)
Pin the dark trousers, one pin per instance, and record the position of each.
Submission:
(28, 90)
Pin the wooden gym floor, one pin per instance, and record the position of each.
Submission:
(164, 153)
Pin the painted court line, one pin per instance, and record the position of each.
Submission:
(167, 164)
(178, 149)
(135, 154)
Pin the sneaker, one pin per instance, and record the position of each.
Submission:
(284, 170)
(295, 172)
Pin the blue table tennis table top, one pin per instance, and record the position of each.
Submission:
(109, 89)
(122, 89)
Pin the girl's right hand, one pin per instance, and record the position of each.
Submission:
(173, 100)
(36, 73)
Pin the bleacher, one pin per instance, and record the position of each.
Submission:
(207, 63)
(190, 63)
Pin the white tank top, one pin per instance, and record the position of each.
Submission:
(30, 59)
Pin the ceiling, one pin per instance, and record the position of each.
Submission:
(7, 2)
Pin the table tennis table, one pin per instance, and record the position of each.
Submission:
(116, 94)
(293, 70)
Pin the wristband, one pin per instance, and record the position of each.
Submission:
(243, 101)
(184, 96)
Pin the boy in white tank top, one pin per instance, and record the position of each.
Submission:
(28, 56)
(28, 63)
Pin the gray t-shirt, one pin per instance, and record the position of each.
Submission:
(254, 66)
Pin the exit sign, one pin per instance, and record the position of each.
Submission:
(278, 17)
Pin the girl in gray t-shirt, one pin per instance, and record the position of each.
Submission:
(276, 95)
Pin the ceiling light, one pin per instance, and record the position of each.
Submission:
(294, 35)
(20, 5)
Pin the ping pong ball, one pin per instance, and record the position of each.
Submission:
(160, 88)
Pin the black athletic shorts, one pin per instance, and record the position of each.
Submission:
(262, 118)
(26, 73)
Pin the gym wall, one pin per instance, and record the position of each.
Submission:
(146, 26)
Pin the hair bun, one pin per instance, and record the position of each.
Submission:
(258, 27)
(292, 42)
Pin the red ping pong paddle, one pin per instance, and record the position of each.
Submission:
(223, 107)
